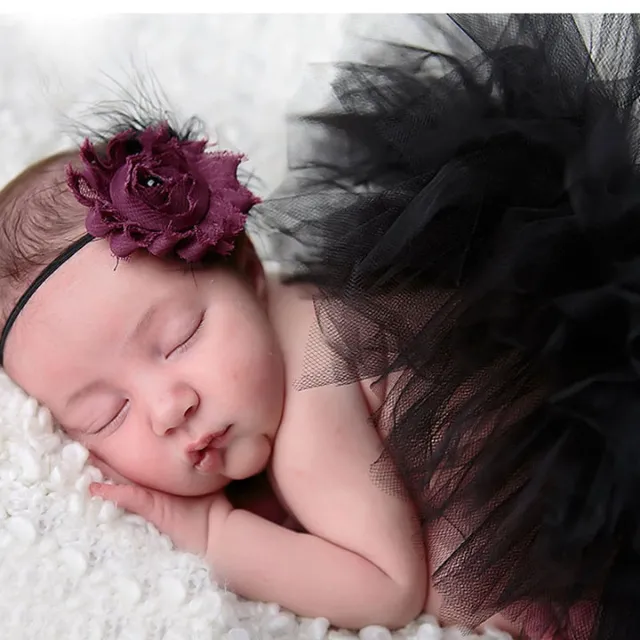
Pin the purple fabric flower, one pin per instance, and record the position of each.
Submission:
(153, 191)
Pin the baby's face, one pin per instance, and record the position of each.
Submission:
(173, 378)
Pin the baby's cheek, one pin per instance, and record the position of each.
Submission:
(127, 461)
(246, 456)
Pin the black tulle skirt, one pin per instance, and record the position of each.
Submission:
(471, 217)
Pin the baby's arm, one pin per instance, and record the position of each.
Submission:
(362, 561)
(256, 495)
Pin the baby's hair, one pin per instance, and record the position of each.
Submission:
(39, 218)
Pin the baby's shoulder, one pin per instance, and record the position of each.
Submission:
(306, 353)
(292, 310)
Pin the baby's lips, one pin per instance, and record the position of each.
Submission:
(195, 457)
(196, 451)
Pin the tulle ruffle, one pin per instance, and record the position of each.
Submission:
(472, 220)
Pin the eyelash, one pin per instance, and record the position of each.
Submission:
(181, 348)
(185, 344)
(116, 421)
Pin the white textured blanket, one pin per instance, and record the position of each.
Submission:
(74, 568)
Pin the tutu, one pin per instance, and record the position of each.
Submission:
(471, 218)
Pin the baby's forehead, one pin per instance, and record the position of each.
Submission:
(87, 308)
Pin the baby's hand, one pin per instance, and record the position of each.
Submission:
(191, 522)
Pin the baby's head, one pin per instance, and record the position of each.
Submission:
(145, 360)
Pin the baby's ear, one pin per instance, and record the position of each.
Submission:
(249, 264)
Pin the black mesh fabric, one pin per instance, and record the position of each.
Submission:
(471, 219)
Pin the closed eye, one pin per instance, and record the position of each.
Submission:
(116, 421)
(189, 339)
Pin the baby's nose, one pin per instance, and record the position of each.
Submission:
(173, 408)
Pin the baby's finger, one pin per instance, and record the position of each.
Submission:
(130, 497)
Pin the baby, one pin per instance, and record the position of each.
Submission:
(174, 362)
(436, 410)
(163, 346)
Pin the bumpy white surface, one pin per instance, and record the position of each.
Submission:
(73, 567)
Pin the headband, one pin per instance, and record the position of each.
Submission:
(154, 191)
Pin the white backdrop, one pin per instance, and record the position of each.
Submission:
(237, 72)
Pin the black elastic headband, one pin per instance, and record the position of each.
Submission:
(35, 285)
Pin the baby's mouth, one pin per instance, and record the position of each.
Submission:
(204, 454)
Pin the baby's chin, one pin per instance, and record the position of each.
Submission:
(246, 456)
(194, 490)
